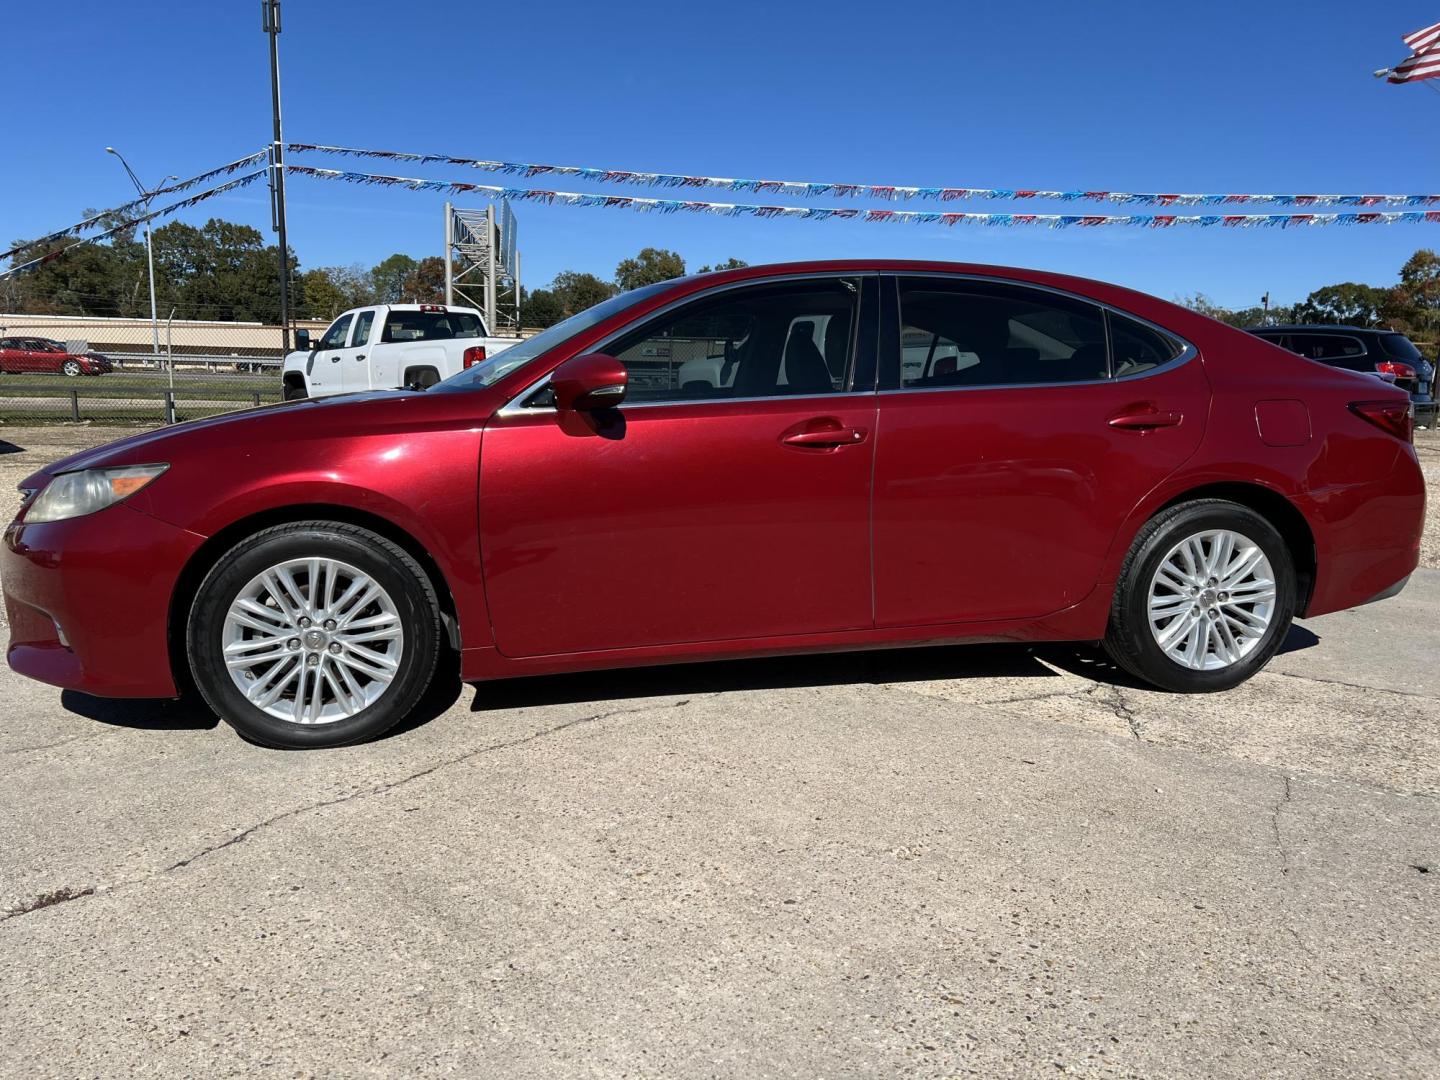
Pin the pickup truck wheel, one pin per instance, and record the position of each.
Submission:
(295, 390)
(314, 634)
(421, 378)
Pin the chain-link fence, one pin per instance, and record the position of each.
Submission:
(67, 368)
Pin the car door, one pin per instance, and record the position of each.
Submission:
(1001, 476)
(354, 358)
(323, 369)
(700, 510)
(38, 356)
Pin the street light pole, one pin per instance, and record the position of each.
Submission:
(149, 248)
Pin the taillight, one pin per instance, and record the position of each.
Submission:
(474, 355)
(1395, 368)
(1392, 417)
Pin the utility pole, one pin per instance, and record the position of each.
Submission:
(270, 17)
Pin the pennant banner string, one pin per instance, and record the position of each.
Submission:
(136, 204)
(888, 192)
(815, 213)
(164, 211)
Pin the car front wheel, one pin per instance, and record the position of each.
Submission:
(71, 368)
(314, 634)
(1205, 598)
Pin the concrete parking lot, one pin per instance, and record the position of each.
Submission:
(988, 861)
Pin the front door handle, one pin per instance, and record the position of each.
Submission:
(1145, 419)
(825, 437)
(335, 359)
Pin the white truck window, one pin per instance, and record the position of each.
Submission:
(363, 322)
(335, 337)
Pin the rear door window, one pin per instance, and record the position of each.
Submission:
(363, 322)
(1137, 347)
(974, 333)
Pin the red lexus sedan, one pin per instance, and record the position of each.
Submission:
(780, 459)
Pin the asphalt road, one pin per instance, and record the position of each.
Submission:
(989, 861)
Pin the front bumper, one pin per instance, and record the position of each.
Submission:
(89, 600)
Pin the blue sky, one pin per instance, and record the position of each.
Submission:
(1225, 96)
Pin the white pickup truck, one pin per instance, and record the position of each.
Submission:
(387, 347)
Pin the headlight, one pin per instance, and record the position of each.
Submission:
(75, 494)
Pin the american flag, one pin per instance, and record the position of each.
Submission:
(1424, 61)
(1422, 41)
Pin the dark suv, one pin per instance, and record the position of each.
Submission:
(1385, 353)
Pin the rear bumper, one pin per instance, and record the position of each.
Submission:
(1368, 537)
(89, 601)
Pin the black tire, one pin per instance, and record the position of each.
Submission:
(295, 393)
(384, 562)
(71, 368)
(1129, 640)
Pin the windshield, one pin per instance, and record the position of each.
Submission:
(520, 354)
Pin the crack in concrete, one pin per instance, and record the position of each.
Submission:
(58, 742)
(1285, 797)
(1114, 700)
(66, 894)
(1351, 685)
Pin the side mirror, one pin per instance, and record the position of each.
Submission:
(589, 381)
(302, 340)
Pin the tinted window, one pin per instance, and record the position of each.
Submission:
(1337, 350)
(1400, 347)
(964, 333)
(363, 322)
(520, 354)
(756, 342)
(1137, 347)
(430, 326)
(335, 337)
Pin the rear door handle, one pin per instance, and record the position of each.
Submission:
(1144, 420)
(360, 357)
(845, 436)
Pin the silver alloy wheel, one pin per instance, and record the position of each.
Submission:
(1212, 599)
(71, 368)
(313, 641)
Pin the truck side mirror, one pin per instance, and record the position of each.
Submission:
(302, 340)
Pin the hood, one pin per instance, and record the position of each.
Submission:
(161, 443)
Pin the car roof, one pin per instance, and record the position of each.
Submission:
(1309, 327)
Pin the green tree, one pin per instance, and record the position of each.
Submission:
(387, 279)
(324, 299)
(1417, 299)
(426, 283)
(541, 308)
(1349, 302)
(578, 291)
(728, 264)
(651, 265)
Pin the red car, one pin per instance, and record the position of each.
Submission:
(781, 459)
(20, 355)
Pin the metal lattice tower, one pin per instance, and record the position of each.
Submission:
(482, 267)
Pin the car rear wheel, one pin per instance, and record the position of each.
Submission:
(71, 368)
(314, 634)
(1205, 598)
